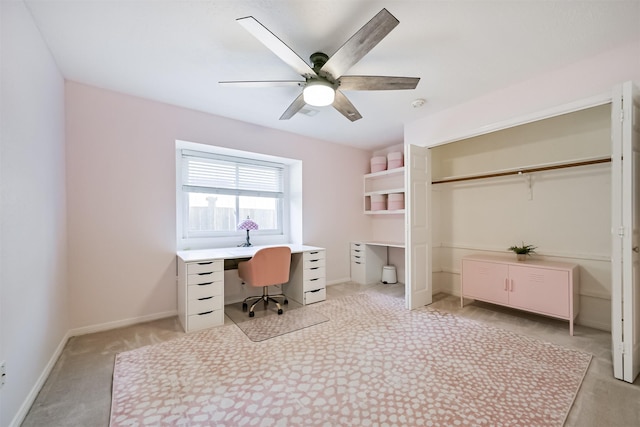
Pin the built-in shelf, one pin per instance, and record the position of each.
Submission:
(383, 183)
(385, 212)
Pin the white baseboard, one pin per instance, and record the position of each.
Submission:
(120, 323)
(18, 419)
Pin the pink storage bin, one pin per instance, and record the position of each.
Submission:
(395, 201)
(378, 163)
(378, 202)
(395, 160)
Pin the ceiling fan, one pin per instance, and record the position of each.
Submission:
(324, 81)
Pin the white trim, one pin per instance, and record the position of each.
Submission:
(559, 110)
(33, 394)
(120, 323)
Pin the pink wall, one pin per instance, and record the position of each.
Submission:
(121, 198)
(33, 254)
(585, 79)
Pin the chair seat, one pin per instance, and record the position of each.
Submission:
(268, 266)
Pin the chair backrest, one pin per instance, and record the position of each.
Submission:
(269, 266)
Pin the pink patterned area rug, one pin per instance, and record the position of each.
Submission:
(374, 363)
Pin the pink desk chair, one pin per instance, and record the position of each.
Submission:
(269, 266)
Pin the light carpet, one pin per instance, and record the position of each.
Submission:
(272, 324)
(375, 363)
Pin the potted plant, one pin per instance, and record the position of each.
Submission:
(523, 251)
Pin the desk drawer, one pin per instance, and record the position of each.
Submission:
(195, 292)
(209, 277)
(314, 273)
(315, 296)
(313, 284)
(311, 263)
(313, 255)
(195, 306)
(205, 320)
(358, 258)
(205, 266)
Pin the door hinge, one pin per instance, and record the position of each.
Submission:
(621, 348)
(620, 231)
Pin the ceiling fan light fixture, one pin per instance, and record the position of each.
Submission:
(318, 93)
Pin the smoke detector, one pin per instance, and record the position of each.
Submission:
(417, 103)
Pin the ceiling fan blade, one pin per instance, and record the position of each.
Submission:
(295, 106)
(361, 43)
(377, 83)
(346, 108)
(276, 45)
(262, 83)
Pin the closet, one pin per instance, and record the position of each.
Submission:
(564, 180)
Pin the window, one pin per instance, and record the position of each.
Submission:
(217, 191)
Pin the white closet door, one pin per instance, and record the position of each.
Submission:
(418, 288)
(625, 259)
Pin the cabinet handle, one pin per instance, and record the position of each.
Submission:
(204, 299)
(205, 284)
(506, 286)
(206, 312)
(358, 262)
(205, 274)
(205, 263)
(511, 289)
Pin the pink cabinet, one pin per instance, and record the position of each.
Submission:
(544, 287)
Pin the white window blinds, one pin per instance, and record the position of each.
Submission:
(218, 174)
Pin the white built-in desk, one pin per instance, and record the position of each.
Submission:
(367, 260)
(201, 281)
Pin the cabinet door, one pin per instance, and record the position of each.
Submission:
(540, 290)
(485, 281)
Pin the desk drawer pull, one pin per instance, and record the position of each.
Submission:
(314, 260)
(204, 274)
(204, 299)
(205, 284)
(314, 252)
(313, 292)
(206, 312)
(314, 268)
(205, 263)
(313, 280)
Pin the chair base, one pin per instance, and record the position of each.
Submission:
(265, 297)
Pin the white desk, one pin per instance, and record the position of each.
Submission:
(201, 281)
(368, 258)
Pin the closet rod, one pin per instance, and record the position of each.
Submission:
(526, 170)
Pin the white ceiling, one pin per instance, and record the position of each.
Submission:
(177, 51)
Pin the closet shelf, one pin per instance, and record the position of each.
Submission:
(530, 169)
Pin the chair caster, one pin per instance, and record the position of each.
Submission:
(251, 314)
(280, 311)
(286, 301)
(244, 306)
